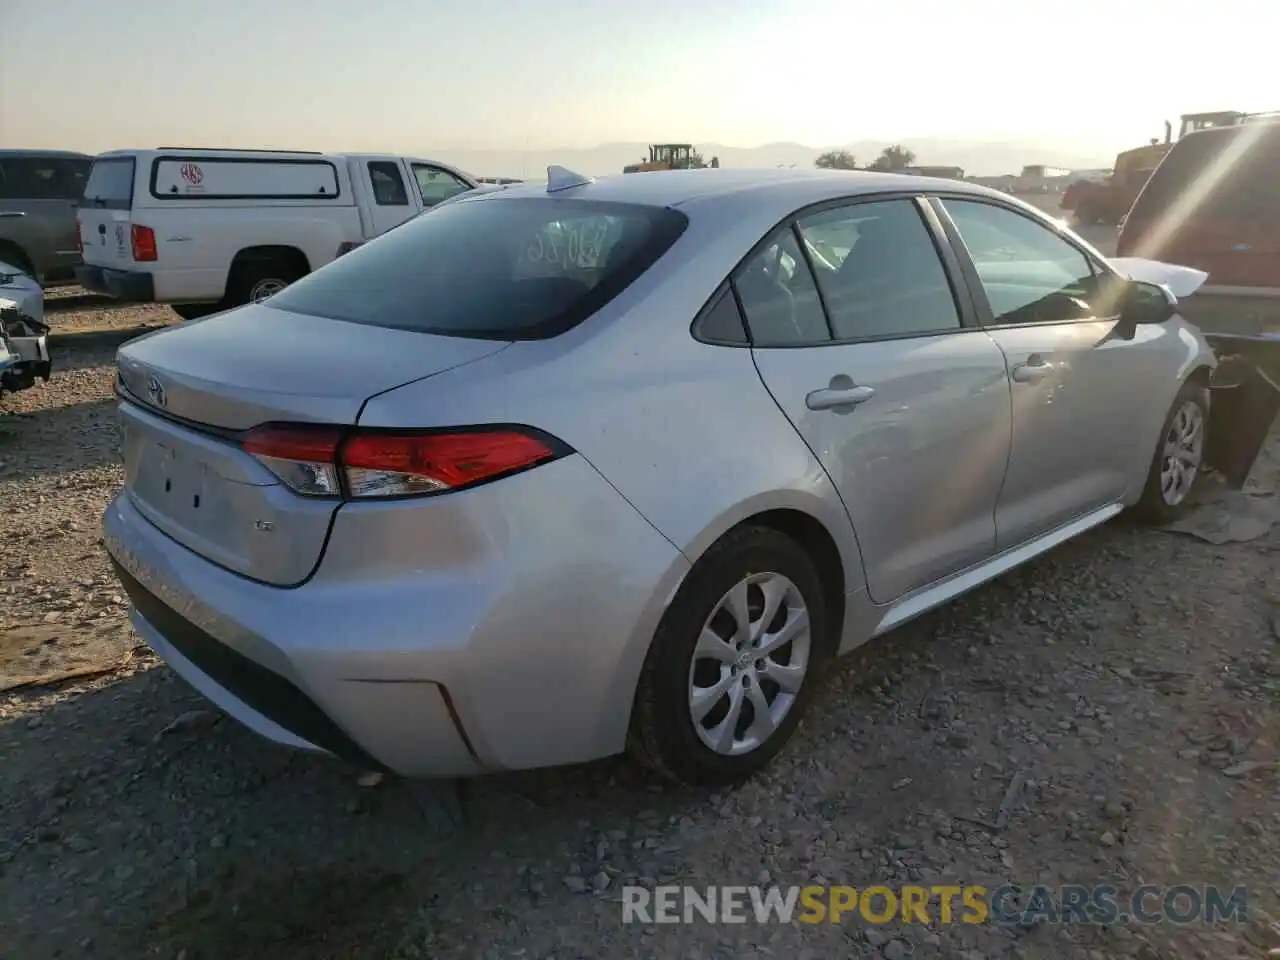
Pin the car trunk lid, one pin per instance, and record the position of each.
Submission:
(190, 393)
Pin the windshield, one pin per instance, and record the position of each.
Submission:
(501, 269)
(1232, 171)
(110, 184)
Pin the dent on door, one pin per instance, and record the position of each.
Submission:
(918, 460)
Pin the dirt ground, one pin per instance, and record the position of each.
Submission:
(1127, 686)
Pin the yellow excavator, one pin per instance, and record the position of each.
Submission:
(671, 156)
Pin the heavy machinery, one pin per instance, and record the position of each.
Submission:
(671, 156)
(1109, 200)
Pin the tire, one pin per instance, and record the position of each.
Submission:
(663, 734)
(1168, 492)
(254, 280)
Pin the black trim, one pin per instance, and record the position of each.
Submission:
(189, 158)
(803, 246)
(951, 264)
(259, 688)
(135, 287)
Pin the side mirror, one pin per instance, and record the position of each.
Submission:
(1141, 303)
(1144, 303)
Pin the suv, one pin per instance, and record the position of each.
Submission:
(40, 192)
(1213, 203)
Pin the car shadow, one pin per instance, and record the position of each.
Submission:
(137, 818)
(155, 796)
(71, 353)
(35, 443)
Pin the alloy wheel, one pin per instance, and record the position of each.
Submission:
(749, 664)
(1182, 453)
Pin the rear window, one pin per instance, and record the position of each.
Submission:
(1236, 168)
(110, 184)
(243, 178)
(500, 269)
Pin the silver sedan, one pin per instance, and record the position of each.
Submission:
(563, 470)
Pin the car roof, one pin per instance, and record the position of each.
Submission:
(61, 154)
(787, 189)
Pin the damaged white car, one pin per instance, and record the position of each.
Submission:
(24, 345)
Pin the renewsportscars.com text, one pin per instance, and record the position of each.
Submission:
(882, 904)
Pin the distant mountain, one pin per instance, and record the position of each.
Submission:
(977, 158)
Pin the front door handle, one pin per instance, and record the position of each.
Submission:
(838, 397)
(1033, 371)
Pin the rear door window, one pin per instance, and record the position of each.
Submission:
(879, 271)
(76, 175)
(1233, 173)
(110, 184)
(37, 178)
(495, 268)
(779, 296)
(388, 184)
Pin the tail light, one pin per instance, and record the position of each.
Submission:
(79, 240)
(144, 243)
(321, 461)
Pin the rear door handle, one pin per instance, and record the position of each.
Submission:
(838, 397)
(1033, 371)
(12, 213)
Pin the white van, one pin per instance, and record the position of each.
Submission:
(205, 230)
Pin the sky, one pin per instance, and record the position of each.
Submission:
(406, 75)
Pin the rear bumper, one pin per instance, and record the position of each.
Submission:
(131, 285)
(498, 628)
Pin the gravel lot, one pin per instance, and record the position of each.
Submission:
(1128, 685)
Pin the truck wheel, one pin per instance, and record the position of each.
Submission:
(255, 280)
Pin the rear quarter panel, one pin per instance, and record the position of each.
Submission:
(683, 430)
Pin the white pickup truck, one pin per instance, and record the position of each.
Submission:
(205, 230)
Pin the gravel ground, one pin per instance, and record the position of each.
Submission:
(1128, 684)
(61, 610)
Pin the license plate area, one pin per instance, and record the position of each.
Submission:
(172, 480)
(219, 502)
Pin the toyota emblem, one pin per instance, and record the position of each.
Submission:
(155, 390)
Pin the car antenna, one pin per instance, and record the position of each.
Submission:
(562, 178)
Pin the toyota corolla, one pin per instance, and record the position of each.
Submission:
(560, 471)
